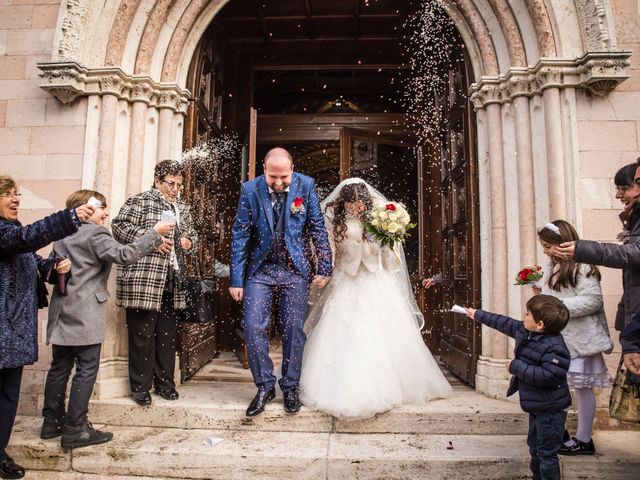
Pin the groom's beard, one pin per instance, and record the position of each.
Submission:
(279, 188)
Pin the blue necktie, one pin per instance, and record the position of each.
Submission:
(277, 206)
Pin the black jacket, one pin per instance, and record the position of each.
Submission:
(540, 365)
(626, 257)
(630, 336)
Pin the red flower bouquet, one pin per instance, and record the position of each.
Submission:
(529, 274)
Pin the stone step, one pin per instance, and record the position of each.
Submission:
(222, 406)
(172, 453)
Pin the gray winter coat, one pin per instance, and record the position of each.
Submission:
(79, 317)
(626, 257)
(587, 332)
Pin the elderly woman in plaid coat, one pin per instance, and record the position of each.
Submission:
(151, 289)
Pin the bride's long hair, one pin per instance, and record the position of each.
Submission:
(351, 193)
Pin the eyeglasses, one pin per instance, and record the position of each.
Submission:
(11, 195)
(173, 185)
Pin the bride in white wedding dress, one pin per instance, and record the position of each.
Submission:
(364, 354)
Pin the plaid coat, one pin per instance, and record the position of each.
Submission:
(141, 285)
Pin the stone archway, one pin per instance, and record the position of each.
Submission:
(128, 61)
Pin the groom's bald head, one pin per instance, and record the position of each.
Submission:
(278, 168)
(278, 155)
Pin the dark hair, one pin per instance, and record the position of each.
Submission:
(625, 177)
(80, 197)
(550, 310)
(351, 192)
(168, 167)
(6, 184)
(567, 274)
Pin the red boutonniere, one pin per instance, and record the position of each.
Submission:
(391, 207)
(297, 206)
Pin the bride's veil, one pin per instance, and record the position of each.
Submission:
(401, 271)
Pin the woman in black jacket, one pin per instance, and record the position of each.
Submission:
(612, 255)
(21, 269)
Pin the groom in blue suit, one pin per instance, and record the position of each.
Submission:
(278, 213)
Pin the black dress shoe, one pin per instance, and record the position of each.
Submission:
(8, 469)
(83, 436)
(256, 406)
(167, 393)
(292, 400)
(142, 398)
(578, 448)
(51, 428)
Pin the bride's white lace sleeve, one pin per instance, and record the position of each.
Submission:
(332, 242)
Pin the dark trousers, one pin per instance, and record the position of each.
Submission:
(544, 440)
(152, 346)
(10, 379)
(293, 292)
(86, 359)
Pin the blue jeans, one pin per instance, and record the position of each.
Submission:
(544, 440)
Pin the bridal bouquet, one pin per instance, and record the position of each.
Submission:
(389, 223)
(529, 274)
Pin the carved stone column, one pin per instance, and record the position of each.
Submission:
(111, 87)
(498, 223)
(551, 80)
(491, 377)
(166, 107)
(141, 96)
(520, 89)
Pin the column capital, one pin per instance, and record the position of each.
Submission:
(64, 80)
(67, 81)
(602, 72)
(486, 92)
(596, 72)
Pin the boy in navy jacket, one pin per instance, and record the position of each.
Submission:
(539, 372)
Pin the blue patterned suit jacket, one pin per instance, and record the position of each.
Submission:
(253, 229)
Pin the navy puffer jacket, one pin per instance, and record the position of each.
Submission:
(540, 365)
(18, 298)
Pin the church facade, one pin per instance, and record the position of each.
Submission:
(93, 94)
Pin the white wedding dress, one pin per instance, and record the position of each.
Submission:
(364, 354)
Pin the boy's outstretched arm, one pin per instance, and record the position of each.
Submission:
(503, 324)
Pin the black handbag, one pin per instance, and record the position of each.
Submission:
(53, 277)
(200, 301)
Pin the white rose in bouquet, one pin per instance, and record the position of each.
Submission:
(389, 223)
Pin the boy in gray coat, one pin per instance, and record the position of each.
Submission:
(76, 325)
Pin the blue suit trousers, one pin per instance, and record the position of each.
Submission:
(260, 290)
